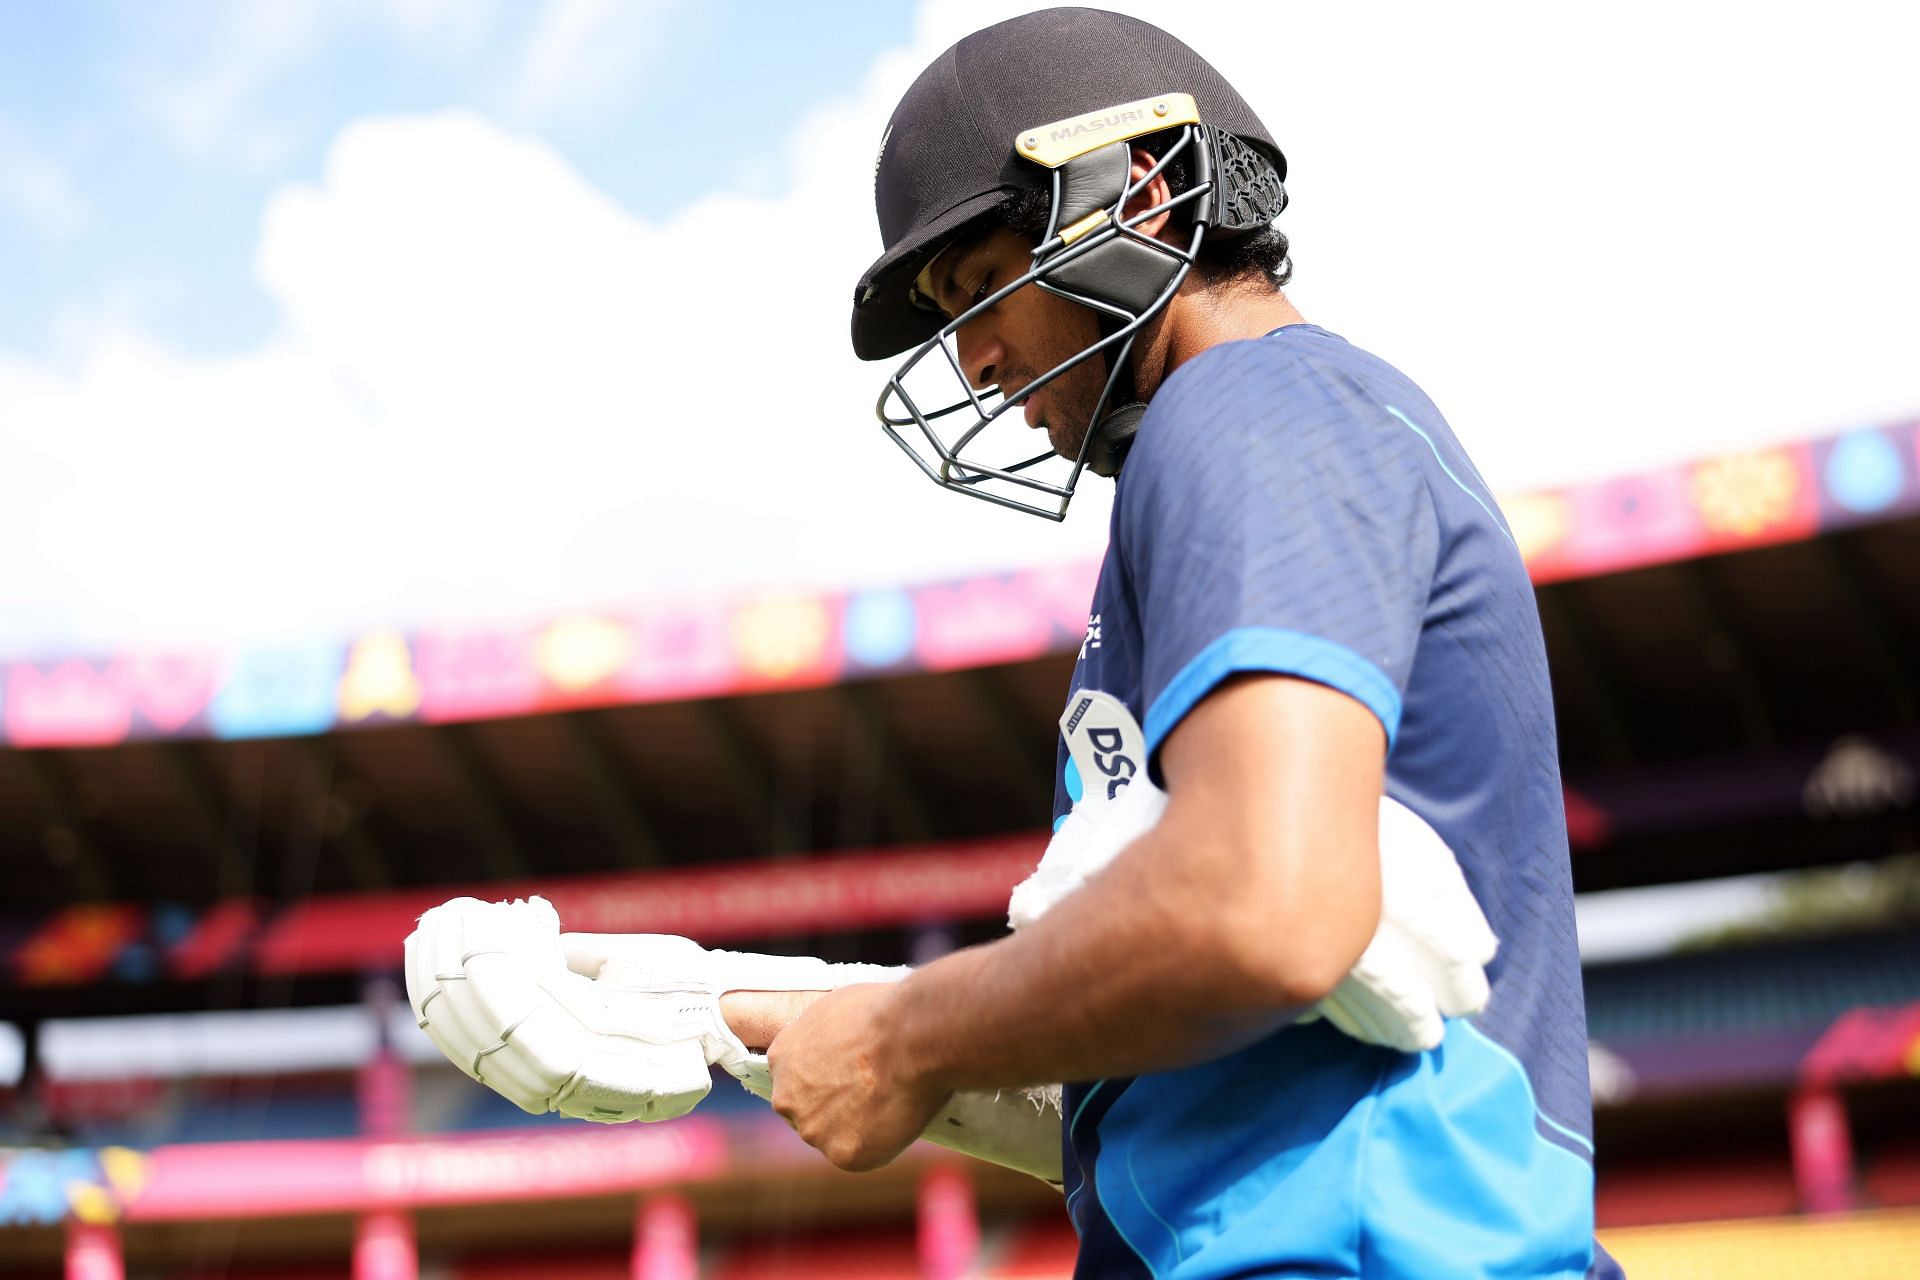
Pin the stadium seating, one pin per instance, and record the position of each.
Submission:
(1757, 988)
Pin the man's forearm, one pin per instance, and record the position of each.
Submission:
(1129, 974)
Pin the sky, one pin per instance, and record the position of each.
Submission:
(324, 314)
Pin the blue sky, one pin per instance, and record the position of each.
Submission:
(317, 315)
(143, 139)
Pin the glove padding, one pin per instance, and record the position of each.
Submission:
(490, 986)
(1427, 961)
(625, 1025)
(604, 1027)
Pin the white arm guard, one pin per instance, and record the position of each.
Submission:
(1427, 961)
(1017, 1128)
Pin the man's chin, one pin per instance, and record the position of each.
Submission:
(1066, 441)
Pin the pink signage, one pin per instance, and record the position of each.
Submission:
(475, 674)
(979, 623)
(72, 704)
(169, 691)
(684, 652)
(264, 1179)
(1063, 594)
(1634, 520)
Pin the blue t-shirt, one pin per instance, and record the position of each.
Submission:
(1295, 505)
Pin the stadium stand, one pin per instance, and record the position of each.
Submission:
(1805, 982)
(1738, 692)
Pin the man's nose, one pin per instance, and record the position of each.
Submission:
(981, 355)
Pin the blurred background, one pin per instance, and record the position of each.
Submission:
(431, 462)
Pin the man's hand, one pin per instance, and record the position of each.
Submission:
(836, 1084)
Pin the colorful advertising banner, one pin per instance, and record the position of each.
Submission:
(674, 649)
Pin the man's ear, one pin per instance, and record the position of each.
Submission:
(1154, 193)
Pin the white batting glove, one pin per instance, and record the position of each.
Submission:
(660, 966)
(1090, 837)
(489, 984)
(1427, 960)
(644, 1023)
(605, 1027)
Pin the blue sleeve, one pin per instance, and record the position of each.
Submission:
(1273, 516)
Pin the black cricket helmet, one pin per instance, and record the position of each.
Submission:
(1051, 102)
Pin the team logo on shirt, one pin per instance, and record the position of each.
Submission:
(1092, 640)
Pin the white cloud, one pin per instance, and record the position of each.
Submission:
(1602, 241)
(580, 50)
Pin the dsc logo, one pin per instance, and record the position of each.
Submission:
(1110, 757)
(1112, 749)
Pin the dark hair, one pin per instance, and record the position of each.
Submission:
(1261, 254)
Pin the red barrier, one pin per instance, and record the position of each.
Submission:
(215, 939)
(710, 904)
